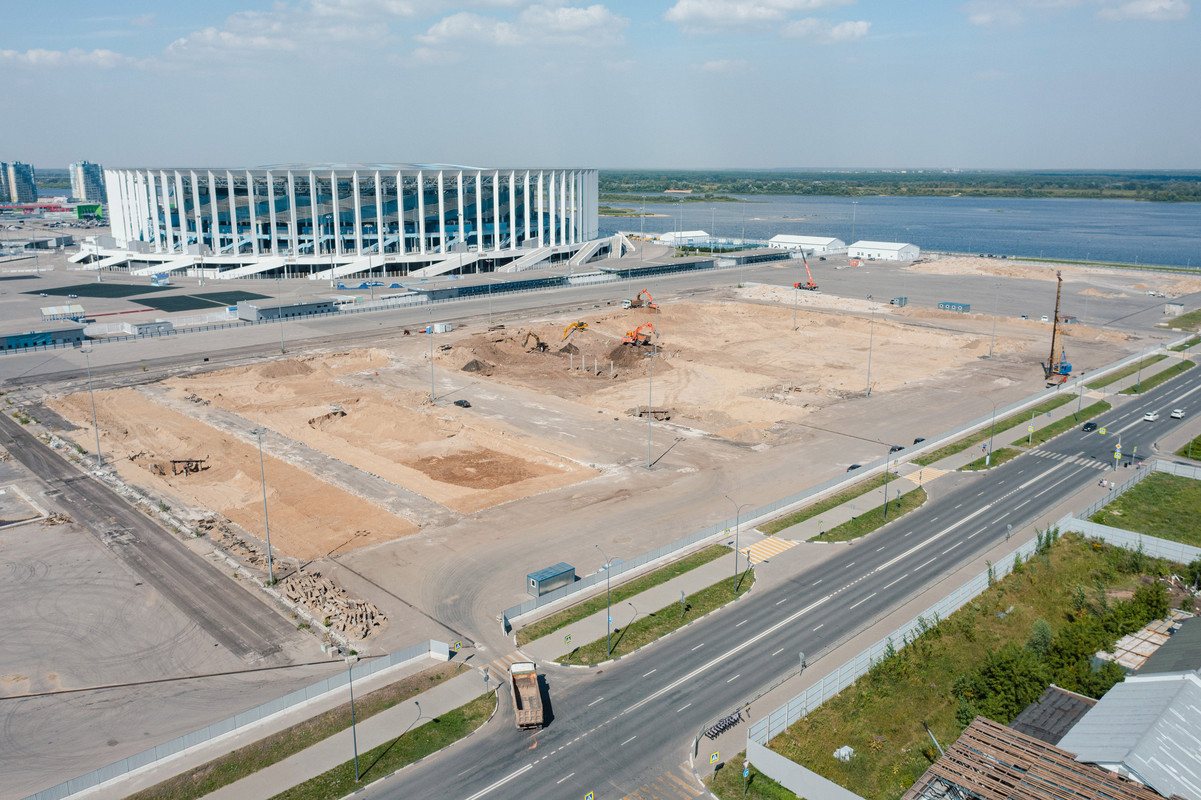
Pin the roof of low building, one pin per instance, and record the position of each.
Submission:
(794, 238)
(868, 245)
(1180, 653)
(1051, 716)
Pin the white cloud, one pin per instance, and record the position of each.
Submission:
(1010, 13)
(828, 33)
(724, 65)
(143, 21)
(717, 16)
(1154, 10)
(49, 59)
(565, 25)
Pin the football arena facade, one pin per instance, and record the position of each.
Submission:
(334, 220)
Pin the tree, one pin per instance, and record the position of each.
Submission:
(1040, 639)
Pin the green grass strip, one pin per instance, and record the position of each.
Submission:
(873, 519)
(1186, 345)
(644, 630)
(619, 594)
(999, 457)
(1151, 381)
(728, 784)
(401, 751)
(1191, 450)
(1003, 424)
(821, 507)
(245, 761)
(1066, 424)
(1125, 372)
(1161, 505)
(1188, 322)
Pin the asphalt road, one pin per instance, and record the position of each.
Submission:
(618, 728)
(235, 618)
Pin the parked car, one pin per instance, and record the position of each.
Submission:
(1150, 416)
(1044, 318)
(1177, 413)
(73, 296)
(919, 440)
(462, 404)
(854, 467)
(896, 447)
(1089, 427)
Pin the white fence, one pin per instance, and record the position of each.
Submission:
(126, 765)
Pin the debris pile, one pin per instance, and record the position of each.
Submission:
(331, 605)
(224, 537)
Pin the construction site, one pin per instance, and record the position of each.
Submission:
(374, 450)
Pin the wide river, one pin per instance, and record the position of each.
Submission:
(1126, 231)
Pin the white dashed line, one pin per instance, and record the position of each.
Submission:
(568, 777)
(736, 677)
(740, 624)
(681, 708)
(652, 672)
(931, 561)
(698, 647)
(952, 547)
(820, 626)
(501, 782)
(782, 601)
(594, 702)
(781, 650)
(627, 741)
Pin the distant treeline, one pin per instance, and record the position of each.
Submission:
(631, 185)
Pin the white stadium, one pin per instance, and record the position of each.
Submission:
(326, 221)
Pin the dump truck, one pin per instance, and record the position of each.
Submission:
(638, 302)
(527, 697)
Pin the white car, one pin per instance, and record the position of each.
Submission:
(1150, 416)
(1178, 413)
(1045, 318)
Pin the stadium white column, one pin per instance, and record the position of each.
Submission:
(194, 188)
(152, 207)
(525, 207)
(459, 221)
(563, 207)
(293, 237)
(512, 210)
(253, 213)
(358, 214)
(573, 227)
(479, 213)
(139, 187)
(272, 221)
(496, 210)
(233, 212)
(421, 210)
(541, 204)
(441, 214)
(335, 211)
(400, 212)
(379, 219)
(181, 206)
(165, 203)
(552, 239)
(313, 213)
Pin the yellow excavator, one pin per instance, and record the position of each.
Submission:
(575, 326)
(539, 345)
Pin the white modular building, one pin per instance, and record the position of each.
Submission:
(884, 251)
(810, 244)
(297, 218)
(683, 238)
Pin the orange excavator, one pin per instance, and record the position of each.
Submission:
(637, 337)
(637, 302)
(810, 286)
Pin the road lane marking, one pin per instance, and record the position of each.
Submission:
(881, 547)
(820, 626)
(819, 580)
(931, 561)
(501, 782)
(652, 672)
(627, 741)
(563, 779)
(952, 547)
(594, 702)
(681, 708)
(958, 506)
(736, 677)
(781, 650)
(898, 580)
(861, 602)
(785, 599)
(740, 624)
(698, 647)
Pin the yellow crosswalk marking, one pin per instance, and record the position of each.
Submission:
(771, 546)
(923, 475)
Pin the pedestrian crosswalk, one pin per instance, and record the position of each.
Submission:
(669, 786)
(1095, 463)
(771, 546)
(923, 475)
(499, 667)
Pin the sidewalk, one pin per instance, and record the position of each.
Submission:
(339, 748)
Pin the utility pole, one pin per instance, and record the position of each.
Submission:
(258, 432)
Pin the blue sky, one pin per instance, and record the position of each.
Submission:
(981, 84)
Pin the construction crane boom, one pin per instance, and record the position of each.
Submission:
(810, 286)
(1057, 369)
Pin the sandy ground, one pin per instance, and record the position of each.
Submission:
(309, 518)
(1116, 281)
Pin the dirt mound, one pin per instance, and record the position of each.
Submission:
(290, 368)
(475, 365)
(480, 468)
(625, 355)
(570, 348)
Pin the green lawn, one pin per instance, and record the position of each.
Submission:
(401, 751)
(1187, 322)
(1191, 450)
(821, 507)
(727, 783)
(657, 624)
(872, 519)
(1125, 372)
(1049, 432)
(1161, 505)
(1002, 424)
(1186, 344)
(1076, 584)
(999, 457)
(247, 760)
(1151, 381)
(619, 594)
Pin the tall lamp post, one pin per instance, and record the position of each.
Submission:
(996, 296)
(992, 427)
(354, 736)
(871, 336)
(650, 396)
(258, 431)
(737, 527)
(87, 354)
(608, 608)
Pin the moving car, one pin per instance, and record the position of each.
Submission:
(1089, 427)
(854, 466)
(1177, 413)
(1150, 416)
(919, 440)
(462, 404)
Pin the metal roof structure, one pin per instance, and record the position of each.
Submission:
(1180, 653)
(1148, 727)
(992, 762)
(869, 245)
(1051, 716)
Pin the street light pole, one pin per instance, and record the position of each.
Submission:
(737, 528)
(1079, 397)
(354, 735)
(87, 354)
(650, 395)
(995, 298)
(258, 432)
(991, 429)
(886, 479)
(871, 336)
(608, 608)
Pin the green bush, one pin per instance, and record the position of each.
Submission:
(1040, 639)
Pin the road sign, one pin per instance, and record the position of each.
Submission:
(590, 796)
(1030, 429)
(458, 646)
(713, 758)
(567, 639)
(746, 773)
(610, 620)
(1102, 431)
